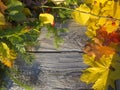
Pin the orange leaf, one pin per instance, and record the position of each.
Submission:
(108, 38)
(94, 49)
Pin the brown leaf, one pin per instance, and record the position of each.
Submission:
(3, 7)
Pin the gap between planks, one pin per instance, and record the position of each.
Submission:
(53, 51)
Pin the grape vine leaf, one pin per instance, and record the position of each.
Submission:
(101, 73)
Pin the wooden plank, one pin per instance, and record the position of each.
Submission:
(73, 40)
(57, 69)
(54, 71)
(117, 83)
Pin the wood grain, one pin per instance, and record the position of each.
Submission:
(56, 69)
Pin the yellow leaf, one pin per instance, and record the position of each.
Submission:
(107, 10)
(102, 21)
(81, 15)
(101, 82)
(8, 63)
(117, 11)
(46, 18)
(101, 73)
(111, 25)
(7, 55)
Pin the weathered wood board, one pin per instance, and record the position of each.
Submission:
(56, 69)
(74, 39)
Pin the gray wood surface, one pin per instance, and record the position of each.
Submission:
(56, 69)
(74, 39)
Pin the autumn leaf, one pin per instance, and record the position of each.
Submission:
(111, 25)
(98, 50)
(46, 18)
(108, 38)
(81, 15)
(7, 55)
(8, 63)
(101, 73)
(116, 10)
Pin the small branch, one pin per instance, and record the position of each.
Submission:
(79, 11)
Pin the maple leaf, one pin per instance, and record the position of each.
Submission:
(81, 17)
(107, 9)
(108, 38)
(95, 7)
(111, 25)
(116, 10)
(97, 50)
(101, 73)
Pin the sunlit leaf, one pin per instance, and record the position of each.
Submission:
(81, 15)
(117, 10)
(7, 56)
(46, 18)
(101, 73)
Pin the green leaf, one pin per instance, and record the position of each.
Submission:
(14, 3)
(17, 16)
(15, 8)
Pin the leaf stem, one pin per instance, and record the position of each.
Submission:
(70, 9)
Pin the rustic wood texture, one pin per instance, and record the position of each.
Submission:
(56, 69)
(74, 39)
